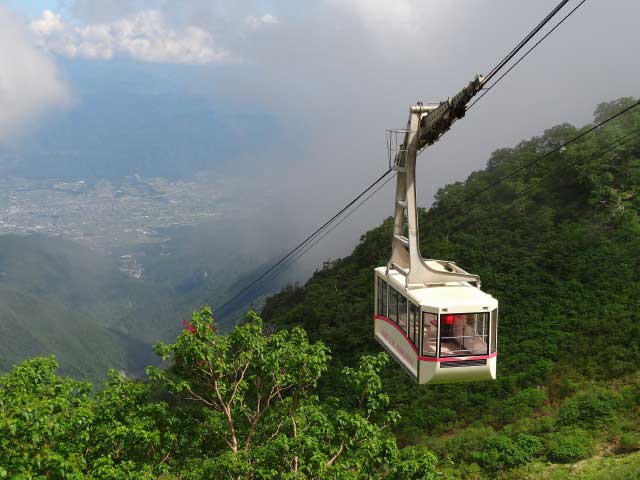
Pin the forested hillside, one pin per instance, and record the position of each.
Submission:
(558, 244)
(61, 297)
(58, 296)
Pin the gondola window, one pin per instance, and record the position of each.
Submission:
(430, 334)
(464, 334)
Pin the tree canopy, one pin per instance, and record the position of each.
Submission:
(238, 405)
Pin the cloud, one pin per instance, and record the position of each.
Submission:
(256, 22)
(144, 36)
(101, 11)
(29, 80)
(336, 73)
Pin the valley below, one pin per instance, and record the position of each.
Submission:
(96, 272)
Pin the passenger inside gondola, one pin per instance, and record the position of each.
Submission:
(464, 334)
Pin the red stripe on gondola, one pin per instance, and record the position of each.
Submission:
(457, 359)
(432, 359)
(391, 322)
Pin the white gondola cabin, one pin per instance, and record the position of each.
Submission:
(431, 315)
(438, 333)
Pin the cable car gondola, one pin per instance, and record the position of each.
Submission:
(439, 333)
(431, 315)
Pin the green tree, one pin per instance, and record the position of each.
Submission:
(44, 422)
(132, 435)
(257, 392)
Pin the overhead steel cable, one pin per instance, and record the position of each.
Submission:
(337, 224)
(524, 41)
(533, 47)
(303, 243)
(492, 208)
(607, 148)
(538, 159)
(317, 232)
(291, 261)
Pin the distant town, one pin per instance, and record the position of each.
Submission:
(109, 217)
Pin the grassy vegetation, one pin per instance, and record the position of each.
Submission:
(610, 467)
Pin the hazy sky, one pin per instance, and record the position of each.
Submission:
(332, 75)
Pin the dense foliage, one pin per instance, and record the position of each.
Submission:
(558, 243)
(240, 405)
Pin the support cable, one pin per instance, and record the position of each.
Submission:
(309, 247)
(305, 241)
(301, 254)
(606, 149)
(524, 41)
(620, 141)
(488, 89)
(538, 159)
(317, 232)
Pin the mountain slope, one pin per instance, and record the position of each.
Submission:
(57, 296)
(559, 245)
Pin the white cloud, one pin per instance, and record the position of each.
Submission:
(266, 19)
(29, 80)
(144, 36)
(48, 24)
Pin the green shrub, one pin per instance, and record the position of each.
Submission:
(415, 464)
(460, 447)
(629, 442)
(451, 471)
(537, 373)
(523, 404)
(631, 393)
(543, 424)
(501, 452)
(418, 420)
(591, 409)
(567, 388)
(567, 445)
